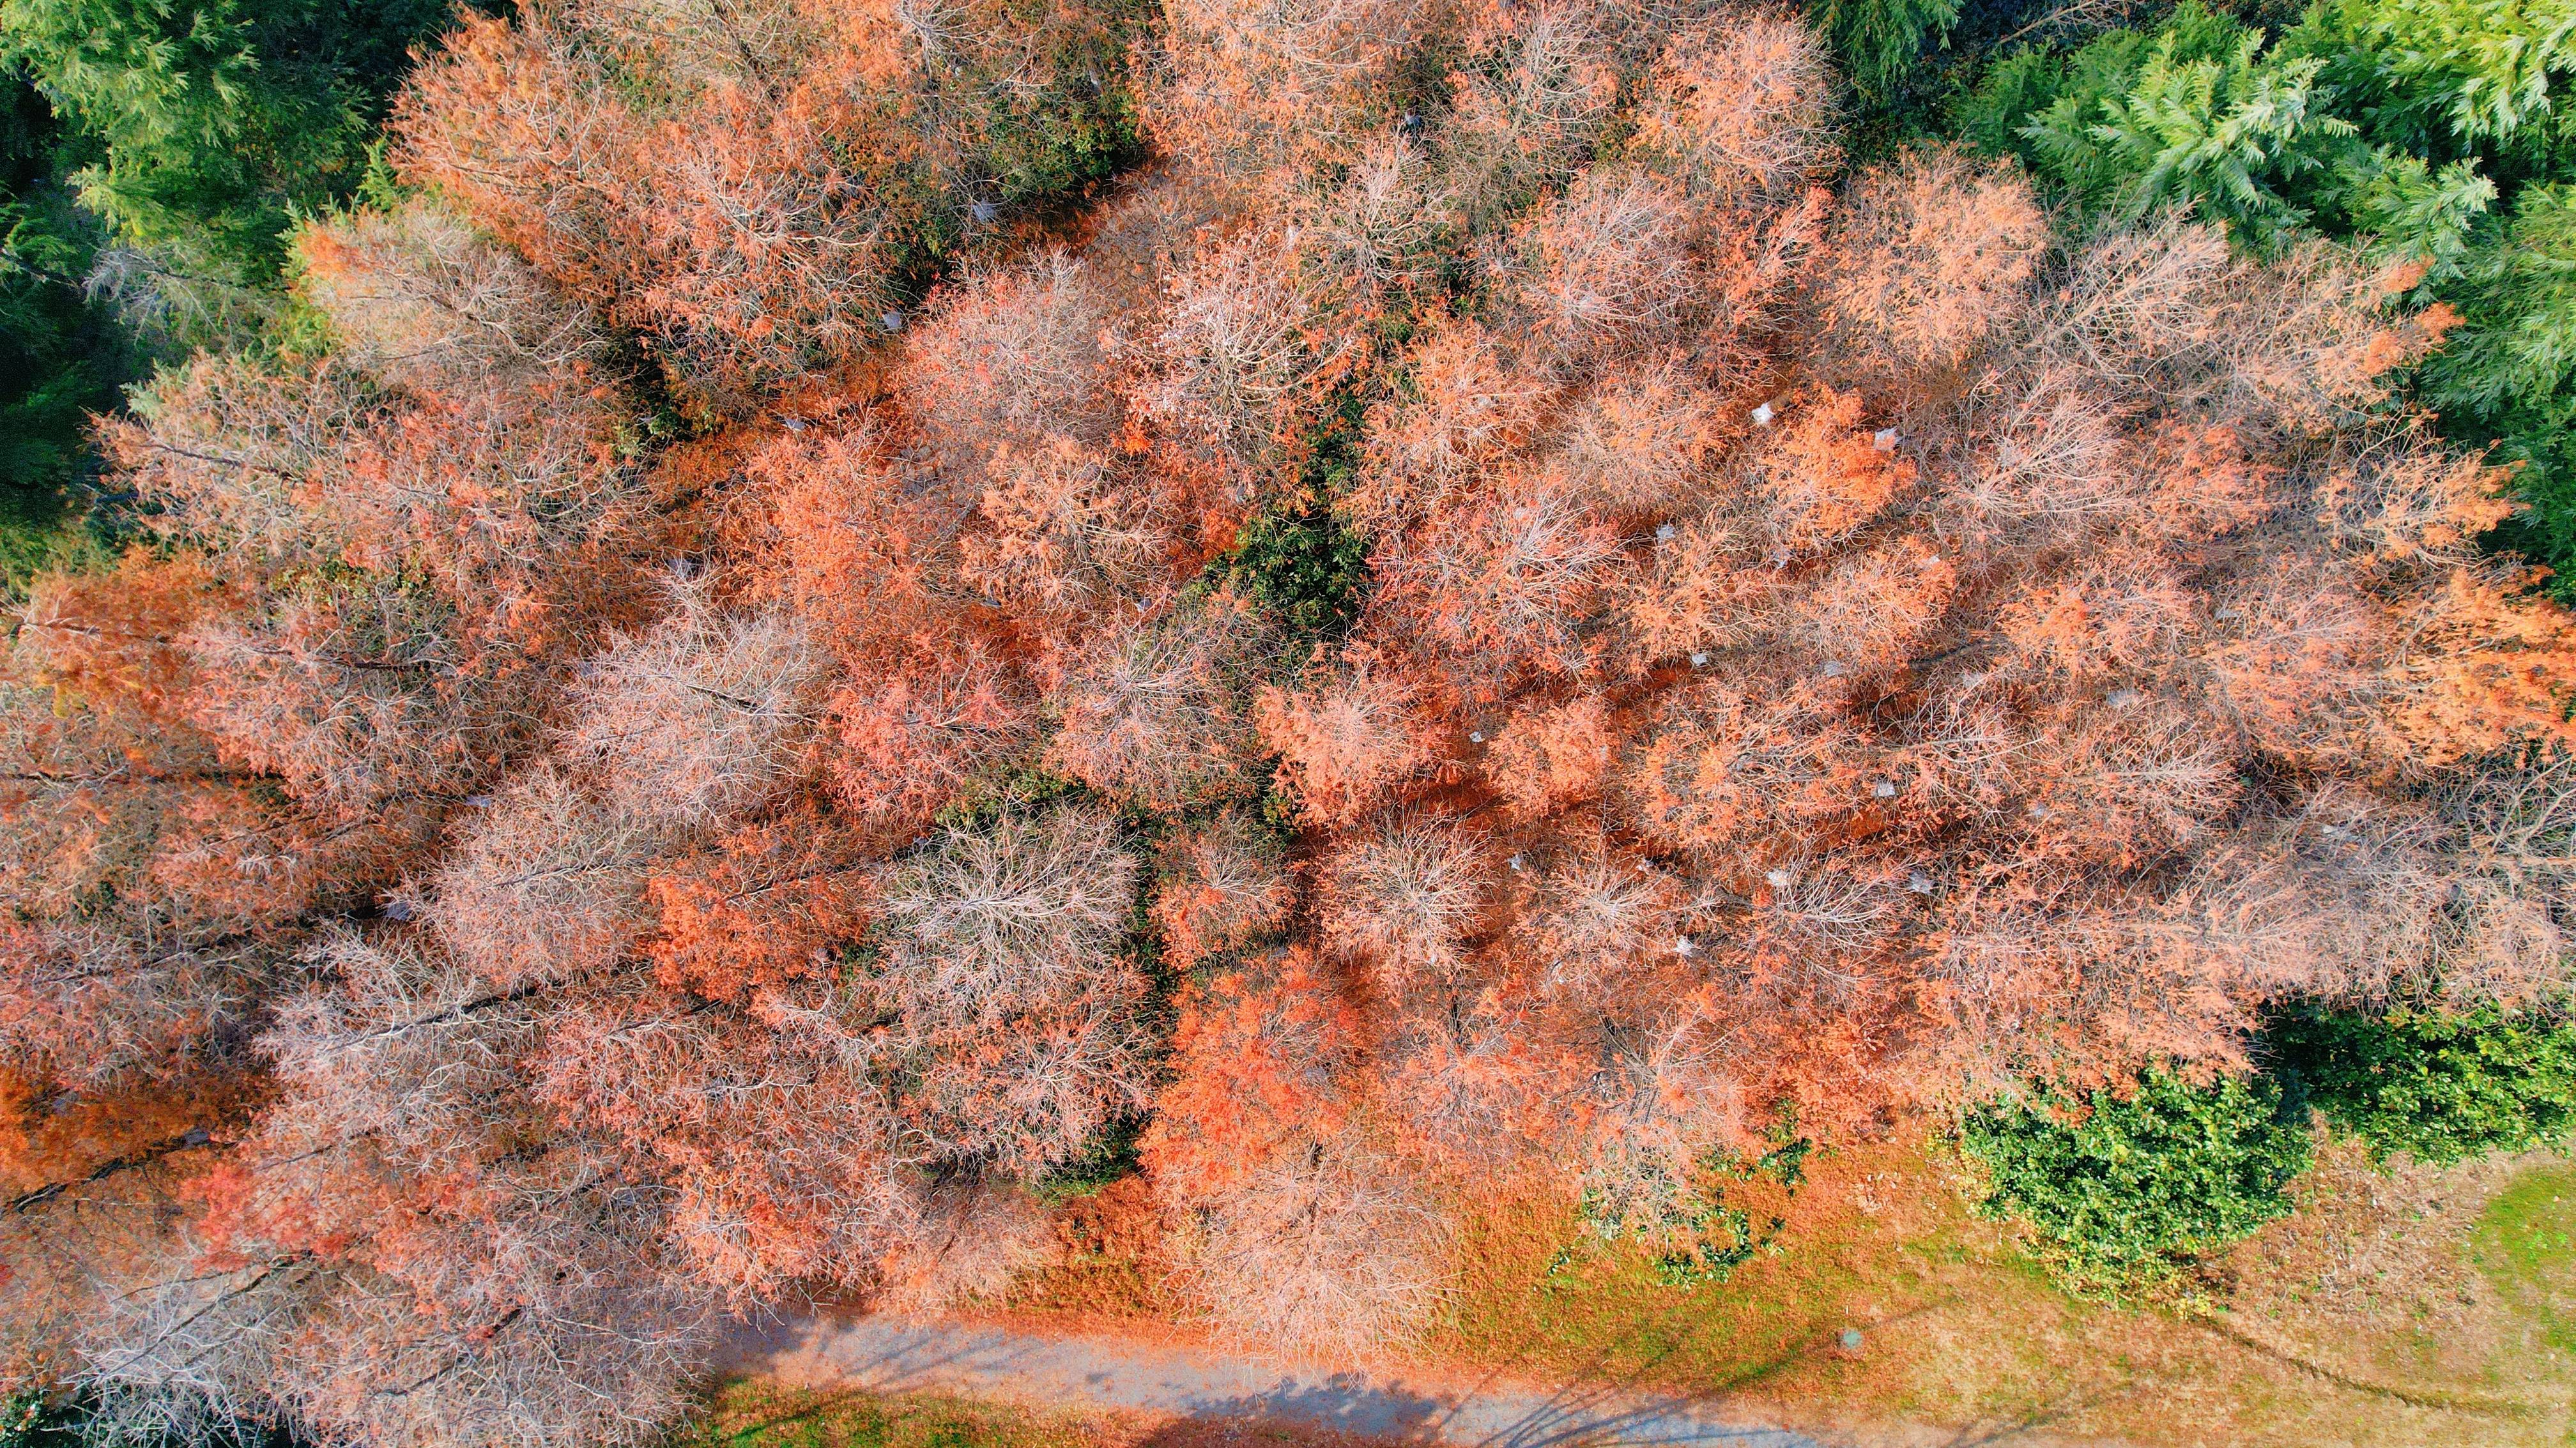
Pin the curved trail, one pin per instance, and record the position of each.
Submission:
(899, 1355)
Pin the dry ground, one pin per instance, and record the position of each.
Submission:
(2404, 1307)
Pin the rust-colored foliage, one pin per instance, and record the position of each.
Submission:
(1929, 258)
(745, 227)
(1344, 738)
(111, 638)
(1403, 901)
(1551, 756)
(1743, 106)
(416, 297)
(1155, 714)
(1260, 84)
(1258, 1054)
(1223, 887)
(768, 905)
(1009, 358)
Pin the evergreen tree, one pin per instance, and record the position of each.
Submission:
(197, 130)
(2431, 128)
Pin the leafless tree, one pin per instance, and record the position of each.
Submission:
(417, 298)
(544, 885)
(1406, 899)
(706, 717)
(1329, 1245)
(1018, 1014)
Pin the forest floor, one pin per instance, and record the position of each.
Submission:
(2400, 1307)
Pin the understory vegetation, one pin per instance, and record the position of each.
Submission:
(2126, 1192)
(736, 652)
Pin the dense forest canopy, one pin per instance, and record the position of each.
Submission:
(807, 617)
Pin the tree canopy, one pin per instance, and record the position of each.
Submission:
(820, 616)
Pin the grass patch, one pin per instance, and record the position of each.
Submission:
(753, 1413)
(766, 1415)
(2393, 1306)
(2359, 1300)
(2525, 1246)
(1873, 1241)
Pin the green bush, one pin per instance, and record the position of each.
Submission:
(2120, 1193)
(2439, 1086)
(25, 1419)
(1879, 40)
(1297, 558)
(32, 1417)
(1080, 128)
(1106, 1158)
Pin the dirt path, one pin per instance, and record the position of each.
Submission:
(896, 1355)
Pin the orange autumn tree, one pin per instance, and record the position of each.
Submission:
(747, 186)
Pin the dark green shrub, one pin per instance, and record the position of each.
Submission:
(2025, 81)
(1879, 40)
(1080, 128)
(2120, 1193)
(62, 355)
(1296, 557)
(32, 1417)
(26, 1420)
(2438, 1086)
(1104, 1159)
